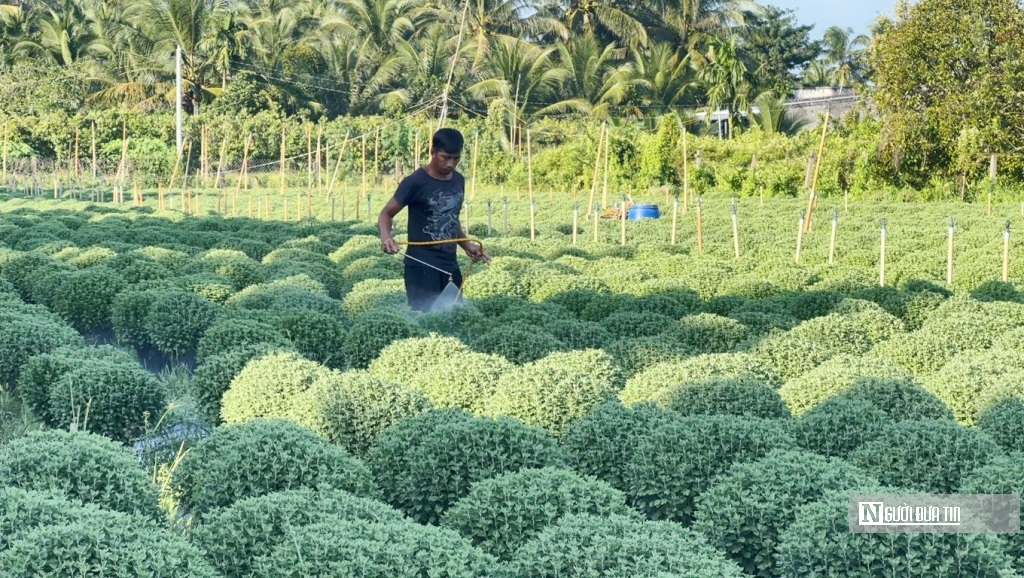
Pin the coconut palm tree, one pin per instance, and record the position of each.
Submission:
(60, 33)
(664, 78)
(605, 19)
(773, 117)
(846, 53)
(596, 78)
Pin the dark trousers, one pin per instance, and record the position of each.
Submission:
(423, 284)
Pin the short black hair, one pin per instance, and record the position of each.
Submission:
(448, 140)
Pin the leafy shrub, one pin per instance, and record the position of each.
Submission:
(919, 352)
(83, 466)
(971, 382)
(747, 508)
(96, 546)
(579, 334)
(444, 369)
(43, 371)
(267, 385)
(660, 380)
(230, 333)
(901, 398)
(128, 316)
(259, 457)
(834, 377)
(214, 376)
(1004, 421)
(601, 443)
(819, 543)
(677, 461)
(709, 333)
(359, 547)
(838, 426)
(743, 396)
(25, 335)
(235, 266)
(424, 467)
(639, 354)
(812, 343)
(518, 342)
(585, 546)
(371, 333)
(374, 294)
(233, 538)
(502, 513)
(84, 298)
(930, 455)
(176, 321)
(352, 408)
(625, 324)
(1004, 475)
(557, 389)
(316, 336)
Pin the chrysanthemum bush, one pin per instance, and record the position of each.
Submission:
(659, 381)
(972, 382)
(266, 386)
(834, 377)
(838, 426)
(743, 396)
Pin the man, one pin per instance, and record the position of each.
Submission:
(434, 195)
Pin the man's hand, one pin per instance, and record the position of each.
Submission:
(476, 252)
(389, 246)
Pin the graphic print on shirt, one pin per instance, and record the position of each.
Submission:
(443, 220)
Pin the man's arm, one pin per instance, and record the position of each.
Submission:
(385, 222)
(474, 250)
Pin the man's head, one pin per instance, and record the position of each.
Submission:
(446, 150)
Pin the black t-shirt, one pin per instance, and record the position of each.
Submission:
(434, 208)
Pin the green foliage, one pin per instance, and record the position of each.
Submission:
(676, 461)
(661, 380)
(820, 543)
(502, 513)
(235, 537)
(834, 377)
(1004, 421)
(84, 298)
(24, 335)
(101, 546)
(427, 463)
(518, 342)
(556, 390)
(900, 398)
(971, 382)
(267, 386)
(82, 466)
(930, 455)
(214, 376)
(372, 332)
(352, 408)
(748, 507)
(838, 426)
(177, 320)
(742, 396)
(359, 547)
(228, 333)
(1004, 475)
(709, 333)
(587, 546)
(128, 316)
(260, 457)
(317, 336)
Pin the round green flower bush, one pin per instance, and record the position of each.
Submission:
(748, 507)
(176, 321)
(929, 455)
(26, 334)
(235, 266)
(214, 376)
(600, 444)
(374, 294)
(128, 316)
(233, 538)
(502, 513)
(444, 369)
(835, 376)
(99, 547)
(352, 408)
(43, 371)
(972, 382)
(709, 333)
(557, 389)
(901, 398)
(83, 466)
(579, 334)
(819, 543)
(639, 354)
(920, 352)
(662, 379)
(744, 396)
(518, 342)
(267, 385)
(677, 461)
(586, 546)
(838, 426)
(372, 332)
(318, 337)
(364, 548)
(230, 333)
(812, 343)
(260, 457)
(84, 298)
(442, 456)
(1004, 475)
(1004, 421)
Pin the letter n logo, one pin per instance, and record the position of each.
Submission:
(871, 514)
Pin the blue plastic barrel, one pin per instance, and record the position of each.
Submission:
(637, 212)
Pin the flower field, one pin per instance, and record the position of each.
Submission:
(224, 391)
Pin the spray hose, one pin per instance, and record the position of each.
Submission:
(442, 242)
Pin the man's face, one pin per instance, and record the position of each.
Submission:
(445, 162)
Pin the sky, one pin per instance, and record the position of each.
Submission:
(856, 14)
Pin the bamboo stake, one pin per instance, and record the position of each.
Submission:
(309, 157)
(675, 217)
(94, 149)
(77, 134)
(364, 177)
(686, 174)
(597, 166)
(597, 220)
(881, 260)
(283, 160)
(220, 163)
(319, 175)
(817, 169)
(337, 167)
(832, 241)
(244, 170)
(160, 196)
(607, 145)
(376, 150)
(529, 162)
(1006, 253)
(800, 233)
(188, 164)
(623, 220)
(949, 253)
(735, 230)
(700, 228)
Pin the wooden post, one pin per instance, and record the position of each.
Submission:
(675, 217)
(220, 163)
(623, 220)
(94, 163)
(376, 152)
(337, 167)
(832, 241)
(686, 174)
(283, 161)
(243, 174)
(881, 260)
(735, 230)
(309, 157)
(817, 169)
(809, 173)
(319, 173)
(575, 220)
(607, 143)
(188, 165)
(800, 233)
(1006, 253)
(529, 162)
(160, 196)
(700, 228)
(949, 253)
